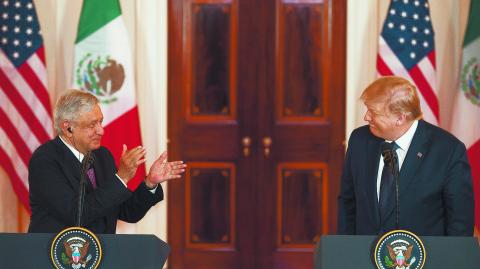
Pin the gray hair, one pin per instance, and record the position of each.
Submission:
(71, 105)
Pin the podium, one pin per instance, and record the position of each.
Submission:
(119, 251)
(355, 251)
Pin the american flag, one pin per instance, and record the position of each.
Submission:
(25, 110)
(407, 50)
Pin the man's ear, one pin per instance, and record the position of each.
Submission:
(67, 129)
(401, 119)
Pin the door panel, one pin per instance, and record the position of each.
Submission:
(299, 42)
(302, 189)
(298, 181)
(210, 205)
(256, 108)
(207, 227)
(210, 47)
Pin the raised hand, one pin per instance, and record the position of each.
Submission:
(129, 162)
(162, 170)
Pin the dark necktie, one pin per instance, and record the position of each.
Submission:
(91, 177)
(387, 183)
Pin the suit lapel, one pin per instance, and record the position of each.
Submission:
(373, 155)
(70, 164)
(413, 159)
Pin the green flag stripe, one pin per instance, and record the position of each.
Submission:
(95, 14)
(473, 27)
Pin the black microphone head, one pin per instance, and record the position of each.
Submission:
(386, 147)
(88, 159)
(91, 158)
(387, 152)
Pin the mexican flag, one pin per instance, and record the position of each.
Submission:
(466, 111)
(103, 67)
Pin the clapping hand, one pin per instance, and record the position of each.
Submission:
(162, 170)
(129, 162)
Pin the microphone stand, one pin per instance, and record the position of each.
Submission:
(87, 160)
(396, 173)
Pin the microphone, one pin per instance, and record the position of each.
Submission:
(391, 160)
(88, 160)
(387, 153)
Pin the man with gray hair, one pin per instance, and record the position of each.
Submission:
(55, 167)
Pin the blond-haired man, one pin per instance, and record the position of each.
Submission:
(435, 194)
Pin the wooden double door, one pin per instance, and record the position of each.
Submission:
(256, 107)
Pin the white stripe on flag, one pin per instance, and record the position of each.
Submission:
(20, 167)
(17, 120)
(398, 69)
(39, 68)
(27, 94)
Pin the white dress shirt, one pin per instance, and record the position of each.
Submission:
(403, 143)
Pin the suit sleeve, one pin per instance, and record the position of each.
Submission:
(458, 195)
(346, 198)
(51, 189)
(135, 208)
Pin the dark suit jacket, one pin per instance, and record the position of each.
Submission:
(436, 196)
(54, 180)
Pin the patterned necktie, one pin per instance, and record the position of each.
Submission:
(387, 183)
(91, 176)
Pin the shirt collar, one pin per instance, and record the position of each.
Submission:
(75, 152)
(405, 140)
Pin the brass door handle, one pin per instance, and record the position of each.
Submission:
(246, 142)
(267, 142)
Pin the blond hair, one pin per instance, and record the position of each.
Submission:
(71, 105)
(398, 95)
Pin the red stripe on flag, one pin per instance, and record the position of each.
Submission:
(41, 54)
(28, 101)
(32, 79)
(18, 187)
(383, 68)
(474, 157)
(431, 56)
(17, 141)
(23, 108)
(125, 130)
(426, 90)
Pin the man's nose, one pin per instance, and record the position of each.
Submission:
(367, 117)
(99, 129)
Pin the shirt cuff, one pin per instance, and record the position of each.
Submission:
(152, 190)
(121, 181)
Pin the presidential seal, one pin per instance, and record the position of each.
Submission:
(399, 249)
(75, 248)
